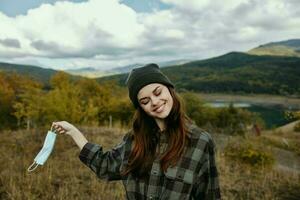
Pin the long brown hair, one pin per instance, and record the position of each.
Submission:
(145, 140)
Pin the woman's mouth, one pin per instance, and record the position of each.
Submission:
(160, 108)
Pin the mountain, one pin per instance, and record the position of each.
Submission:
(282, 48)
(124, 69)
(40, 74)
(234, 72)
(89, 72)
(92, 72)
(128, 68)
(44, 74)
(37, 73)
(173, 62)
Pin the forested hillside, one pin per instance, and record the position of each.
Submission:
(235, 73)
(282, 48)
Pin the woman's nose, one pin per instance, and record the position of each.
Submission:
(154, 101)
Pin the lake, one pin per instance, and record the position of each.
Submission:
(273, 115)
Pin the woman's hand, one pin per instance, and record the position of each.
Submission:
(63, 127)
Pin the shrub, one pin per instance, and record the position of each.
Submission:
(247, 153)
(297, 127)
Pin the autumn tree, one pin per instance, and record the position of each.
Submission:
(62, 102)
(7, 95)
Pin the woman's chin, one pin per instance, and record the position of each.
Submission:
(161, 115)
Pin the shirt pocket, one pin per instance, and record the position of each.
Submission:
(180, 174)
(178, 183)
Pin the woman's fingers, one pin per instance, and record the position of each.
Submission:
(61, 131)
(63, 127)
(57, 128)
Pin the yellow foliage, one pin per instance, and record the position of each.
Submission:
(245, 152)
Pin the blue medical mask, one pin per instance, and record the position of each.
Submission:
(45, 152)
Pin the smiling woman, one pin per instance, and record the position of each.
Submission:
(165, 155)
(156, 101)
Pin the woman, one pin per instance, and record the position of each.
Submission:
(165, 155)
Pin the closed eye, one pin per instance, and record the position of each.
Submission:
(145, 102)
(158, 93)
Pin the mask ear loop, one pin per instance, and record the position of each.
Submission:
(30, 169)
(51, 129)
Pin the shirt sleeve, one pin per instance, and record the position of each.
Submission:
(106, 165)
(207, 185)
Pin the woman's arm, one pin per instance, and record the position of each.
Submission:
(64, 127)
(106, 165)
(79, 139)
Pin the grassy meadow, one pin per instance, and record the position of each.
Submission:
(64, 176)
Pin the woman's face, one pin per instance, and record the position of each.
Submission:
(156, 100)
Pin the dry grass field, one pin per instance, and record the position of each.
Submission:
(64, 176)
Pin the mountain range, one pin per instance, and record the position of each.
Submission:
(256, 71)
(92, 72)
(234, 72)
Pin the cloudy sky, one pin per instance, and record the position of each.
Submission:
(111, 33)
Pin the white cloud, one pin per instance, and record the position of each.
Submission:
(109, 33)
(69, 29)
(222, 24)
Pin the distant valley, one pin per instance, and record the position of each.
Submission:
(92, 72)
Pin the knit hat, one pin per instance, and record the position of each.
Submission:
(140, 77)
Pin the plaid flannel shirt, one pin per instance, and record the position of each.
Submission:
(195, 176)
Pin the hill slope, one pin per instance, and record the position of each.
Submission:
(235, 73)
(283, 48)
(38, 73)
